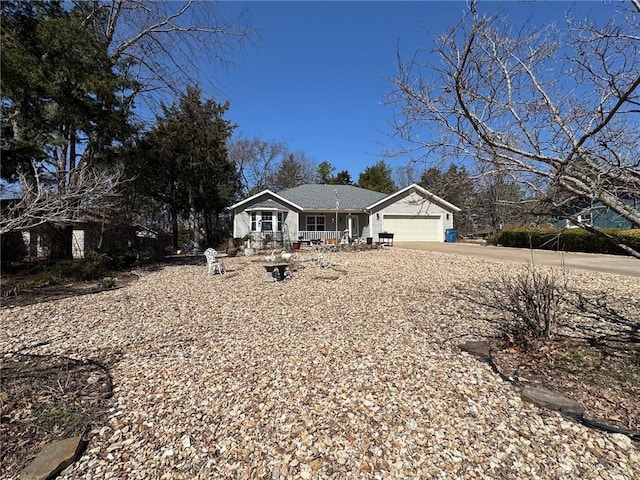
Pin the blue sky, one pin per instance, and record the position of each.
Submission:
(318, 73)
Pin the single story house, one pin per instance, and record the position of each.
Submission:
(318, 212)
(90, 237)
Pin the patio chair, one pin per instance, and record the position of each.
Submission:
(213, 262)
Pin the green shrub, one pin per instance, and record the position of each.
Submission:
(118, 259)
(91, 268)
(108, 282)
(568, 240)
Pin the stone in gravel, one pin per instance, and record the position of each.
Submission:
(478, 349)
(52, 459)
(552, 400)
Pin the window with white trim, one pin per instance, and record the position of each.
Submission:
(315, 223)
(267, 221)
(254, 222)
(280, 220)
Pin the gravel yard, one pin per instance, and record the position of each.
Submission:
(347, 372)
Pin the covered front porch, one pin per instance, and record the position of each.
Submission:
(321, 226)
(314, 236)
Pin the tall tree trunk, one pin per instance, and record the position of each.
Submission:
(174, 228)
(210, 228)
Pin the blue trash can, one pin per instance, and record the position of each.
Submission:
(451, 235)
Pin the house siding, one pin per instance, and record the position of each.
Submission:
(366, 209)
(600, 216)
(411, 204)
(242, 218)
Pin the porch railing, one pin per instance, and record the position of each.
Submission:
(309, 236)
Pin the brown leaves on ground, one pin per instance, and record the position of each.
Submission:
(605, 379)
(45, 398)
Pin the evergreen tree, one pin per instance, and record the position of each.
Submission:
(341, 178)
(70, 73)
(377, 178)
(63, 114)
(183, 164)
(323, 173)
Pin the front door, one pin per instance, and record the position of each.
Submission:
(355, 227)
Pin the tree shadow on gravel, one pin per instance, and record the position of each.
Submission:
(19, 292)
(44, 398)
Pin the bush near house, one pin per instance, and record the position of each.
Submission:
(12, 248)
(91, 268)
(567, 240)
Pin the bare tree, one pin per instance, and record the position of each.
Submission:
(257, 160)
(169, 45)
(295, 169)
(43, 203)
(556, 109)
(405, 175)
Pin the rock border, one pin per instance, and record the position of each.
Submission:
(53, 458)
(544, 397)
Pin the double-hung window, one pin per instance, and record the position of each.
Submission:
(267, 221)
(315, 223)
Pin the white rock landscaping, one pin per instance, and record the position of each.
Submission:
(354, 372)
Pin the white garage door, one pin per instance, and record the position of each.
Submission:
(414, 228)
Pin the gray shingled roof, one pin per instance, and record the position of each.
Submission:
(323, 197)
(266, 204)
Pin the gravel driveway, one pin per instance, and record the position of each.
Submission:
(350, 372)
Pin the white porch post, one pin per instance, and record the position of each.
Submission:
(350, 225)
(235, 225)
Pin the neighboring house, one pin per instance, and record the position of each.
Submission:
(598, 215)
(318, 212)
(90, 237)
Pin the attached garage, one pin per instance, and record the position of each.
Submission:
(412, 214)
(414, 228)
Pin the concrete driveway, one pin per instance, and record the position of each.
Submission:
(621, 265)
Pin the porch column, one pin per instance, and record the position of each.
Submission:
(349, 225)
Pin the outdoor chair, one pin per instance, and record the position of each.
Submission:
(213, 262)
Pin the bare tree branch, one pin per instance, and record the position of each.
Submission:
(43, 204)
(256, 160)
(553, 108)
(171, 43)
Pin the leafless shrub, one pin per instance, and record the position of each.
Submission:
(529, 301)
